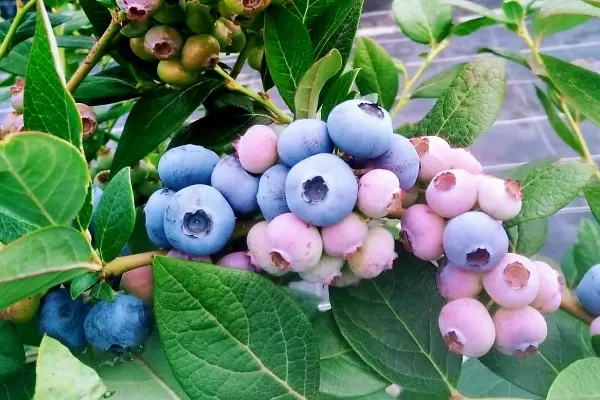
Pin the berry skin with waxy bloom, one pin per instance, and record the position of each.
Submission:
(552, 285)
(239, 260)
(463, 159)
(422, 232)
(595, 327)
(379, 193)
(375, 255)
(588, 291)
(499, 198)
(173, 73)
(174, 253)
(402, 159)
(237, 185)
(198, 220)
(475, 241)
(259, 250)
(519, 332)
(257, 149)
(327, 270)
(303, 138)
(164, 42)
(452, 193)
(154, 212)
(271, 192)
(456, 283)
(139, 283)
(345, 237)
(62, 318)
(187, 165)
(321, 190)
(433, 156)
(467, 327)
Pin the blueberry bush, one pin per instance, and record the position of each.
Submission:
(290, 243)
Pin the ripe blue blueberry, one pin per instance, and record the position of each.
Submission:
(119, 326)
(198, 220)
(321, 190)
(235, 184)
(271, 192)
(588, 291)
(301, 139)
(475, 241)
(402, 159)
(154, 211)
(61, 318)
(187, 165)
(360, 128)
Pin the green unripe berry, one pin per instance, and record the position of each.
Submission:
(139, 172)
(198, 18)
(200, 52)
(101, 179)
(138, 48)
(150, 185)
(173, 73)
(164, 42)
(22, 311)
(105, 158)
(247, 7)
(135, 29)
(238, 41)
(255, 57)
(222, 32)
(224, 10)
(169, 13)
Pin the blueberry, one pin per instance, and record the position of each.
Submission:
(327, 270)
(463, 159)
(519, 332)
(163, 41)
(174, 253)
(347, 278)
(271, 192)
(422, 232)
(235, 184)
(321, 190)
(433, 156)
(139, 283)
(119, 326)
(301, 139)
(402, 159)
(345, 237)
(475, 241)
(513, 283)
(360, 128)
(467, 327)
(378, 193)
(61, 318)
(375, 255)
(552, 285)
(154, 212)
(456, 283)
(595, 327)
(257, 149)
(588, 291)
(259, 250)
(452, 192)
(238, 259)
(187, 165)
(499, 198)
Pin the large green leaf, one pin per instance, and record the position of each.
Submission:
(97, 90)
(339, 91)
(311, 84)
(82, 283)
(471, 104)
(571, 270)
(44, 179)
(424, 21)
(308, 10)
(591, 191)
(15, 62)
(115, 216)
(288, 50)
(21, 386)
(544, 27)
(12, 227)
(392, 323)
(568, 340)
(435, 86)
(478, 10)
(472, 25)
(572, 7)
(577, 382)
(547, 190)
(155, 116)
(580, 85)
(60, 375)
(513, 10)
(40, 260)
(235, 327)
(586, 252)
(529, 237)
(378, 72)
(521, 172)
(49, 107)
(27, 28)
(12, 353)
(511, 55)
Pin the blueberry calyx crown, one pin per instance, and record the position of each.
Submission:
(314, 190)
(372, 109)
(197, 224)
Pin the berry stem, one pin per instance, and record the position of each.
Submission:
(21, 11)
(232, 84)
(572, 306)
(95, 54)
(242, 57)
(436, 49)
(120, 265)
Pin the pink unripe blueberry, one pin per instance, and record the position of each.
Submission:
(433, 156)
(452, 192)
(16, 98)
(12, 122)
(345, 237)
(467, 327)
(88, 120)
(257, 149)
(519, 332)
(259, 250)
(514, 283)
(327, 270)
(456, 283)
(348, 278)
(163, 42)
(139, 283)
(378, 193)
(551, 289)
(499, 198)
(375, 255)
(293, 244)
(595, 327)
(173, 253)
(238, 259)
(139, 10)
(463, 159)
(422, 232)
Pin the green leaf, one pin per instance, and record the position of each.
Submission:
(544, 27)
(580, 85)
(547, 190)
(21, 386)
(477, 381)
(250, 349)
(15, 62)
(424, 21)
(12, 353)
(511, 55)
(308, 10)
(595, 3)
(343, 373)
(572, 272)
(288, 50)
(435, 86)
(378, 72)
(513, 10)
(75, 42)
(478, 10)
(40, 260)
(115, 111)
(596, 344)
(591, 192)
(379, 320)
(521, 172)
(115, 216)
(311, 84)
(47, 179)
(568, 340)
(138, 240)
(62, 376)
(586, 251)
(99, 90)
(529, 237)
(12, 228)
(49, 107)
(84, 217)
(578, 381)
(472, 25)
(103, 291)
(574, 7)
(559, 126)
(471, 104)
(158, 114)
(338, 92)
(82, 283)
(27, 28)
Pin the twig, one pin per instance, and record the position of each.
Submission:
(21, 11)
(572, 306)
(120, 265)
(242, 57)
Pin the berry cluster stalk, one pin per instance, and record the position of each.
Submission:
(21, 11)
(121, 265)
